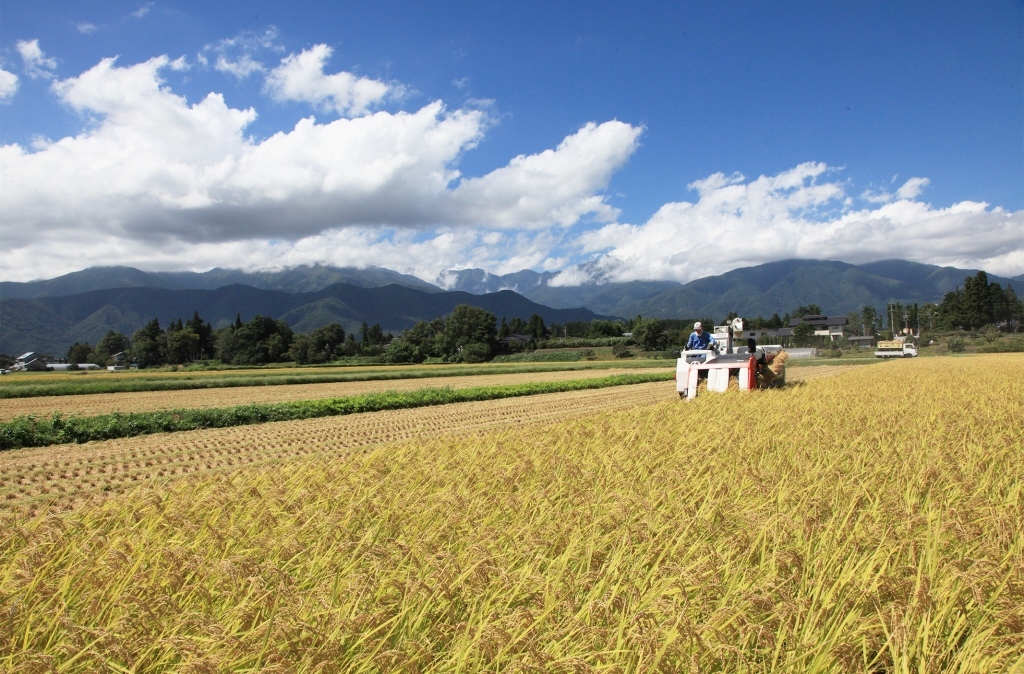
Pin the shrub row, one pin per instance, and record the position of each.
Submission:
(546, 357)
(35, 432)
(1011, 345)
(582, 342)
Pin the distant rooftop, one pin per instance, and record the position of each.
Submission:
(818, 319)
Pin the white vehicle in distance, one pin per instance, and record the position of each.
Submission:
(895, 349)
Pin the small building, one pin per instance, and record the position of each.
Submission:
(119, 358)
(868, 340)
(515, 339)
(26, 357)
(721, 333)
(824, 326)
(36, 365)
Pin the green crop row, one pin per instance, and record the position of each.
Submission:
(546, 357)
(131, 384)
(35, 432)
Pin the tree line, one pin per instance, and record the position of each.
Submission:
(978, 304)
(468, 334)
(258, 341)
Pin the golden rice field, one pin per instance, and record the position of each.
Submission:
(145, 401)
(866, 522)
(63, 476)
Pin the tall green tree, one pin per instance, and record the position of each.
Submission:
(261, 340)
(981, 303)
(204, 331)
(977, 301)
(113, 342)
(535, 327)
(149, 345)
(649, 334)
(468, 326)
(79, 353)
(182, 345)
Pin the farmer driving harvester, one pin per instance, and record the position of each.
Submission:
(750, 368)
(699, 339)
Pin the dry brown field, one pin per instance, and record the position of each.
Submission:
(63, 475)
(148, 401)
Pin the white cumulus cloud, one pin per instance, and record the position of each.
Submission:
(8, 85)
(912, 188)
(239, 55)
(301, 77)
(86, 28)
(798, 213)
(156, 181)
(35, 63)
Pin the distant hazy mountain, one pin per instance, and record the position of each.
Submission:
(51, 324)
(837, 287)
(305, 278)
(478, 281)
(605, 298)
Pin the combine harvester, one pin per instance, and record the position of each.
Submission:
(751, 369)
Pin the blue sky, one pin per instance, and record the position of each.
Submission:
(721, 134)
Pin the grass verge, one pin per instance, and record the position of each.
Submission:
(56, 430)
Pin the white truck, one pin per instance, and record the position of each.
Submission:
(895, 349)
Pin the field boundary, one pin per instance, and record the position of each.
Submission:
(57, 429)
(185, 383)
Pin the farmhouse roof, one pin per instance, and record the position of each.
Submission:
(818, 319)
(516, 337)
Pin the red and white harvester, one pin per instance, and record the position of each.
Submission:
(721, 364)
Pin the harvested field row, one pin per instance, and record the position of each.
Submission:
(148, 401)
(65, 474)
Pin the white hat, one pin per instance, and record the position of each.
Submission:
(697, 326)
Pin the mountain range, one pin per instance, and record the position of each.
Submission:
(51, 324)
(48, 315)
(304, 278)
(836, 287)
(775, 287)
